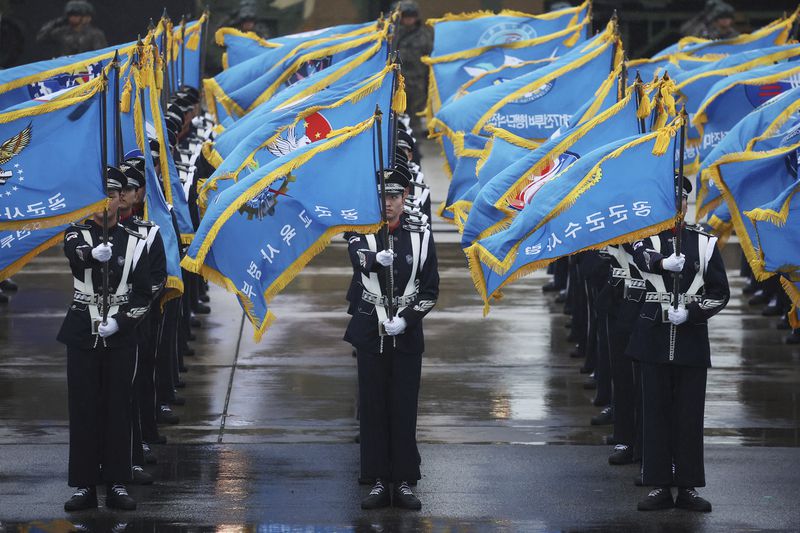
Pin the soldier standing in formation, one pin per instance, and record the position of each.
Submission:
(101, 352)
(672, 347)
(414, 40)
(389, 350)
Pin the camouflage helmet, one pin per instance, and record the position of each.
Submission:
(78, 7)
(407, 7)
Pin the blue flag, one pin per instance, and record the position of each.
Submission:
(308, 122)
(241, 88)
(186, 60)
(19, 247)
(773, 34)
(610, 201)
(455, 33)
(731, 98)
(51, 168)
(752, 181)
(675, 65)
(777, 226)
(46, 79)
(448, 73)
(464, 173)
(537, 104)
(266, 228)
(240, 46)
(510, 190)
(695, 84)
(770, 126)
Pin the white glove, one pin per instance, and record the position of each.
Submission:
(102, 252)
(673, 263)
(678, 316)
(106, 329)
(395, 326)
(385, 257)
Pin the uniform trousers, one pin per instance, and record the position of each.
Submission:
(673, 402)
(623, 398)
(388, 388)
(99, 383)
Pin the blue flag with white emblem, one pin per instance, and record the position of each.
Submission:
(51, 166)
(264, 229)
(771, 125)
(508, 192)
(732, 98)
(601, 199)
(455, 33)
(187, 60)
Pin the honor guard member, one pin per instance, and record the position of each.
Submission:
(101, 355)
(389, 351)
(144, 412)
(674, 354)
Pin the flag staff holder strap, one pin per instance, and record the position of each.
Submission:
(385, 228)
(679, 208)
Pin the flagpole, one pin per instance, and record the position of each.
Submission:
(639, 97)
(117, 118)
(385, 228)
(181, 51)
(104, 164)
(203, 50)
(679, 206)
(393, 132)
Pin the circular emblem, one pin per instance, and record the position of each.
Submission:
(506, 32)
(535, 94)
(409, 258)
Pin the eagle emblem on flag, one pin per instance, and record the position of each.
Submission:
(12, 148)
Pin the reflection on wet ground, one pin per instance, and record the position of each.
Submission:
(280, 454)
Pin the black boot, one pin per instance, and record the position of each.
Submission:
(378, 497)
(622, 455)
(140, 477)
(691, 501)
(117, 497)
(656, 500)
(605, 417)
(166, 416)
(84, 498)
(404, 498)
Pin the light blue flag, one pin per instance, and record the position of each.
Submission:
(502, 150)
(240, 46)
(761, 130)
(773, 34)
(695, 84)
(287, 130)
(777, 226)
(267, 227)
(173, 188)
(253, 82)
(610, 201)
(46, 79)
(18, 247)
(462, 32)
(731, 98)
(156, 209)
(750, 183)
(294, 39)
(189, 61)
(536, 104)
(674, 65)
(510, 190)
(355, 68)
(51, 169)
(464, 173)
(451, 73)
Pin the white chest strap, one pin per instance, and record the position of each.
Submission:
(372, 284)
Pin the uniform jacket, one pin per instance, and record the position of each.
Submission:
(362, 331)
(652, 340)
(76, 329)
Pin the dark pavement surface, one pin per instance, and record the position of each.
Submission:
(266, 437)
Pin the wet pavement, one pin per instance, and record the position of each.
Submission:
(265, 441)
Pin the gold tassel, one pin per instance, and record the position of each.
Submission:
(667, 89)
(125, 97)
(645, 107)
(573, 39)
(194, 41)
(399, 97)
(662, 141)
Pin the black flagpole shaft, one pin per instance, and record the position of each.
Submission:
(393, 131)
(117, 118)
(679, 216)
(104, 160)
(639, 98)
(203, 51)
(385, 228)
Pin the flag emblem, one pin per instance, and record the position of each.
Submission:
(12, 148)
(535, 182)
(506, 32)
(315, 128)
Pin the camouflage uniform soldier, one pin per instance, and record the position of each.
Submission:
(414, 40)
(73, 33)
